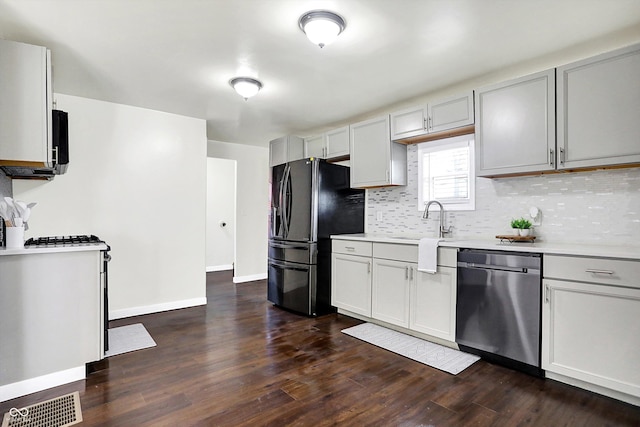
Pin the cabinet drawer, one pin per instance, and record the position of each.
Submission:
(448, 257)
(351, 247)
(593, 270)
(397, 252)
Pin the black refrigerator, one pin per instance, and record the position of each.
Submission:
(310, 200)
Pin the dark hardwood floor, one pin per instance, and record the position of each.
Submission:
(241, 362)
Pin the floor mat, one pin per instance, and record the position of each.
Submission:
(435, 355)
(128, 338)
(59, 412)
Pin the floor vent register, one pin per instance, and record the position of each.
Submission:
(59, 412)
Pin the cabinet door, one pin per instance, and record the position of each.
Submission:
(314, 146)
(409, 122)
(451, 113)
(590, 332)
(370, 153)
(24, 104)
(515, 126)
(375, 160)
(337, 142)
(278, 151)
(285, 149)
(295, 148)
(598, 110)
(390, 291)
(433, 303)
(351, 283)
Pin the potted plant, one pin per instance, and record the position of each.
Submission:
(521, 226)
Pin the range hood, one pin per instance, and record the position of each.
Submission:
(60, 157)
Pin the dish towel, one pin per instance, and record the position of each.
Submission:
(428, 255)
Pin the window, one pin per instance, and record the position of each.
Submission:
(446, 173)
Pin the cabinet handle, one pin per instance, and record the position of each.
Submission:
(410, 273)
(387, 174)
(591, 270)
(350, 248)
(369, 267)
(430, 124)
(551, 159)
(562, 156)
(546, 293)
(425, 125)
(406, 273)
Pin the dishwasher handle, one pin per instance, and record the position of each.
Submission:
(526, 270)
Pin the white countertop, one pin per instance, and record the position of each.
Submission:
(30, 250)
(602, 251)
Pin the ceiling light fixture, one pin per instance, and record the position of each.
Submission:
(246, 86)
(321, 26)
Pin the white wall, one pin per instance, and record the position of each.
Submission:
(221, 207)
(136, 179)
(252, 207)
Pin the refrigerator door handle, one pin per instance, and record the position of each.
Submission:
(274, 214)
(284, 206)
(287, 266)
(288, 246)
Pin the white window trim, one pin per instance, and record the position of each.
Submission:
(450, 143)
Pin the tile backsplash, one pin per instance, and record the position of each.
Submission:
(599, 207)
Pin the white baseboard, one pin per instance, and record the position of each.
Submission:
(250, 278)
(634, 400)
(32, 385)
(223, 267)
(156, 308)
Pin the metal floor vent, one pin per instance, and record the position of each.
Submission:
(59, 412)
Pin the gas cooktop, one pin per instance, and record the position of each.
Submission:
(80, 240)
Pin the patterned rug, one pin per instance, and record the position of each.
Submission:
(435, 355)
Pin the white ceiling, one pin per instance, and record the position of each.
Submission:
(178, 55)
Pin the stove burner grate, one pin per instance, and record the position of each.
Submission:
(77, 240)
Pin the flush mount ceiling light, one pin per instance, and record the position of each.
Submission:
(321, 26)
(246, 86)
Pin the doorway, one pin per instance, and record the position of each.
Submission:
(221, 214)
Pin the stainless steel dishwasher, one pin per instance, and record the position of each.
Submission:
(498, 307)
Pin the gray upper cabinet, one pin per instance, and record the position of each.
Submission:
(25, 104)
(314, 146)
(515, 126)
(442, 115)
(329, 145)
(599, 110)
(337, 142)
(285, 149)
(375, 160)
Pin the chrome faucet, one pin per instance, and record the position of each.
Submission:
(441, 230)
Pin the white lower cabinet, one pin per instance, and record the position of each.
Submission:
(433, 303)
(591, 334)
(381, 281)
(591, 331)
(351, 283)
(390, 291)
